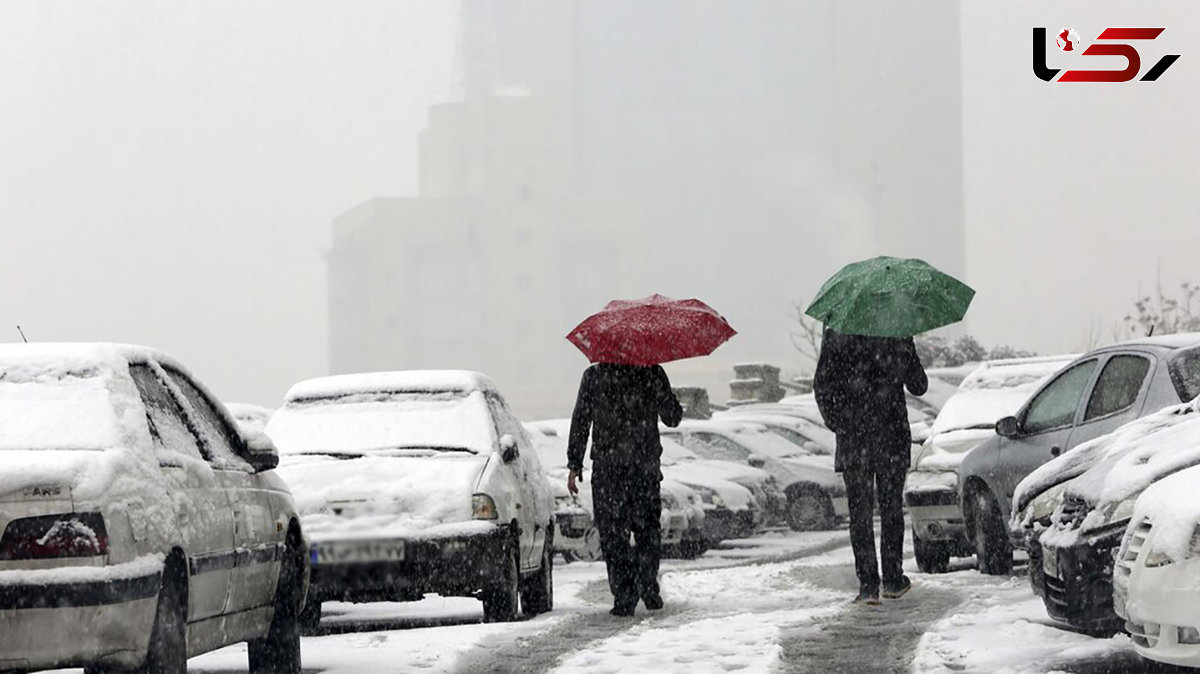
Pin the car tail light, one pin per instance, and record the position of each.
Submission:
(52, 536)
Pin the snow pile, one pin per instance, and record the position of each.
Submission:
(1137, 440)
(378, 496)
(1174, 511)
(1003, 629)
(361, 422)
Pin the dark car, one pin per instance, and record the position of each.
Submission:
(1093, 396)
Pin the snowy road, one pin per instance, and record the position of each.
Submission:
(774, 604)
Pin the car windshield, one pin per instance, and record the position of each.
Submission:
(991, 392)
(57, 410)
(384, 422)
(1185, 374)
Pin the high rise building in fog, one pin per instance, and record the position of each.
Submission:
(735, 151)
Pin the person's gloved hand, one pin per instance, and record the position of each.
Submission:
(571, 479)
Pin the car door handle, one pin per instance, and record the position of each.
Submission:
(1055, 450)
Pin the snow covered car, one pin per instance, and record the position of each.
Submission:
(1094, 395)
(810, 436)
(575, 533)
(416, 482)
(992, 391)
(1071, 553)
(731, 509)
(814, 496)
(691, 542)
(251, 419)
(1154, 582)
(139, 527)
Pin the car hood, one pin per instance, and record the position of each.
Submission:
(736, 496)
(382, 495)
(945, 451)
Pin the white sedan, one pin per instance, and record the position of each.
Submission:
(139, 527)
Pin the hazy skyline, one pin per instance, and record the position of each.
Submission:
(169, 173)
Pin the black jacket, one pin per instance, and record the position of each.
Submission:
(859, 387)
(620, 405)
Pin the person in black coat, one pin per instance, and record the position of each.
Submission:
(620, 406)
(859, 387)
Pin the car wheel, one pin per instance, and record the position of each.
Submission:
(810, 510)
(537, 591)
(168, 639)
(993, 551)
(591, 550)
(279, 651)
(931, 556)
(500, 601)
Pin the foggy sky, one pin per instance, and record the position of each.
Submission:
(168, 172)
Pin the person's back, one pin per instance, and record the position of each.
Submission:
(622, 405)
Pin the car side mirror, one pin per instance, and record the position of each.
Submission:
(1008, 427)
(508, 448)
(263, 454)
(756, 461)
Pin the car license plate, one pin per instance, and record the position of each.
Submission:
(360, 551)
(579, 522)
(1050, 561)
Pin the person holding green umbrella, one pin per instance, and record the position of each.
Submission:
(871, 311)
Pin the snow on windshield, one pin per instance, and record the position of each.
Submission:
(57, 410)
(363, 422)
(993, 391)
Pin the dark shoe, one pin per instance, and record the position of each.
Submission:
(653, 602)
(898, 589)
(621, 612)
(868, 597)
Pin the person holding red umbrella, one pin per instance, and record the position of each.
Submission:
(621, 398)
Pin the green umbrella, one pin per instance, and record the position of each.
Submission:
(890, 297)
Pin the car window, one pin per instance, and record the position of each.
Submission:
(803, 444)
(173, 440)
(1118, 386)
(1185, 374)
(1055, 406)
(217, 436)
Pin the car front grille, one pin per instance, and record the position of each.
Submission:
(1129, 553)
(1056, 591)
(1143, 634)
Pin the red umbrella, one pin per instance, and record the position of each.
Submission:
(650, 331)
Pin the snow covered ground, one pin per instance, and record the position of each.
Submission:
(778, 603)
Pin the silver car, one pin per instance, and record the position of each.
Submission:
(1093, 396)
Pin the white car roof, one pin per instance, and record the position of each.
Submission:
(403, 381)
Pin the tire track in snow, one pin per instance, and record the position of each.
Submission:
(544, 651)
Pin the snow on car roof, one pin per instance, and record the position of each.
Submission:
(1135, 437)
(402, 381)
(1179, 340)
(995, 390)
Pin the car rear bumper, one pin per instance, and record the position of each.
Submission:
(1075, 581)
(72, 624)
(450, 566)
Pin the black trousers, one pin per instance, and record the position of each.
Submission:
(863, 483)
(628, 500)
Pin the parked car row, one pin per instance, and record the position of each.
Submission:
(1089, 464)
